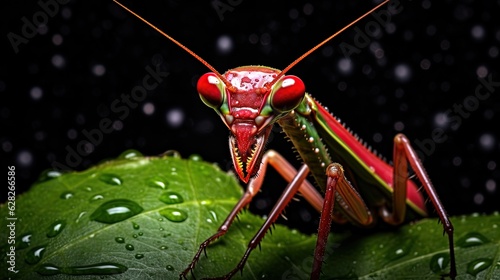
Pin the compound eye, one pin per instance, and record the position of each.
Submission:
(289, 93)
(211, 90)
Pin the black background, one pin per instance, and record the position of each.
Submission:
(458, 39)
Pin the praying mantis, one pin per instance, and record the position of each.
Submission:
(358, 185)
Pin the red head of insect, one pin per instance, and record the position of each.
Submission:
(249, 100)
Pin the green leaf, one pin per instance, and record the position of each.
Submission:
(419, 251)
(144, 218)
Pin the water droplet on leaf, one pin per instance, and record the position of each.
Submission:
(48, 175)
(172, 153)
(195, 157)
(170, 268)
(48, 269)
(171, 198)
(174, 215)
(439, 262)
(96, 197)
(56, 228)
(214, 215)
(66, 195)
(110, 179)
(80, 216)
(25, 241)
(120, 240)
(129, 247)
(157, 182)
(94, 269)
(115, 211)
(400, 250)
(128, 154)
(478, 265)
(472, 239)
(35, 255)
(135, 225)
(139, 256)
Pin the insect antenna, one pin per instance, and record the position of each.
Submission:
(226, 82)
(284, 71)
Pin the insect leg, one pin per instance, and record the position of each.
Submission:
(404, 154)
(282, 202)
(287, 171)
